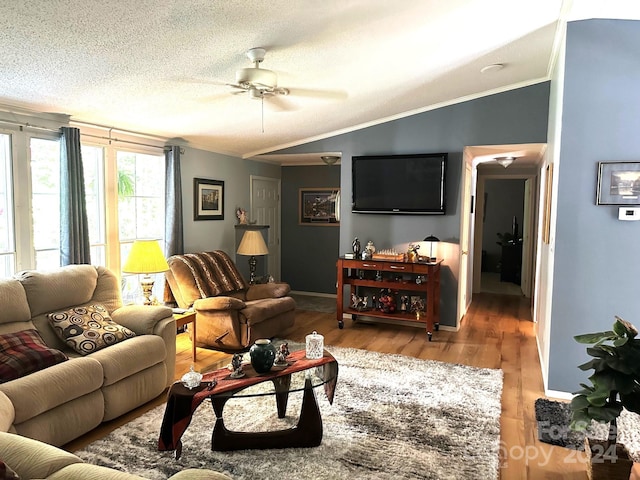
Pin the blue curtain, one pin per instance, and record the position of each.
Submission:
(74, 228)
(173, 234)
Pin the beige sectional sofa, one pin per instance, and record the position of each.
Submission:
(31, 459)
(66, 400)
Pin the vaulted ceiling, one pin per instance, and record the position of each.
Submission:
(166, 67)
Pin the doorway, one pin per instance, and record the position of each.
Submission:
(502, 219)
(265, 209)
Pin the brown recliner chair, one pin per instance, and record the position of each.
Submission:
(230, 314)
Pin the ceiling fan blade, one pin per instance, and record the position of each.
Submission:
(320, 94)
(279, 103)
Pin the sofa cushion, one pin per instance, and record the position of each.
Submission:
(14, 302)
(88, 329)
(41, 391)
(52, 290)
(22, 353)
(133, 356)
(6, 473)
(257, 311)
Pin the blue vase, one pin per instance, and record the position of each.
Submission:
(262, 354)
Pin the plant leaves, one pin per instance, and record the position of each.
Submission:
(595, 337)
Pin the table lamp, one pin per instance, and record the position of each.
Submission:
(145, 258)
(431, 239)
(252, 244)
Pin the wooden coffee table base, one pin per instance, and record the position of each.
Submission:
(307, 433)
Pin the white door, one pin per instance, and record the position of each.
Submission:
(265, 208)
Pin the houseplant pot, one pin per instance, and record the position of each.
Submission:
(614, 385)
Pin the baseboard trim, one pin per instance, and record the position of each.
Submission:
(314, 294)
(558, 394)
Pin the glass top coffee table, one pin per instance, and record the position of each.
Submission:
(300, 374)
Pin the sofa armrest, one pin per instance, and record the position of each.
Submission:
(141, 319)
(7, 413)
(268, 290)
(218, 303)
(31, 458)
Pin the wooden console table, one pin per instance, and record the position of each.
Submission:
(400, 277)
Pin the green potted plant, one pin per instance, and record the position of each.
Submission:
(614, 385)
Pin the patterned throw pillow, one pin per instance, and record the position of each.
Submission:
(25, 352)
(6, 473)
(88, 329)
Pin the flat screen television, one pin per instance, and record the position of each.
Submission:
(400, 184)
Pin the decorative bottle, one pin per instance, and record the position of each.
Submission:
(262, 354)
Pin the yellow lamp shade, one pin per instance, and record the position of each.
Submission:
(145, 257)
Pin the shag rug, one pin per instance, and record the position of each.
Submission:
(554, 417)
(393, 417)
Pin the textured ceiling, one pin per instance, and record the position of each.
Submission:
(160, 67)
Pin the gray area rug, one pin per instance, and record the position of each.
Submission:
(393, 417)
(554, 417)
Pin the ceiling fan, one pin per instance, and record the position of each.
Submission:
(257, 82)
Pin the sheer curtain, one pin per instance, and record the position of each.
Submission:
(74, 228)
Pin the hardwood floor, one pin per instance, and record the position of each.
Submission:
(496, 333)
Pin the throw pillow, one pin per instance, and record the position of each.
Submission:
(25, 352)
(6, 473)
(88, 329)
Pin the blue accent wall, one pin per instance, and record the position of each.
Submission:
(516, 116)
(309, 252)
(597, 256)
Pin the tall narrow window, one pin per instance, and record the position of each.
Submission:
(93, 165)
(7, 229)
(140, 210)
(45, 201)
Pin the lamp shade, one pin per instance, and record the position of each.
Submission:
(431, 238)
(252, 243)
(145, 257)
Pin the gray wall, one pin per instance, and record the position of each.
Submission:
(504, 200)
(516, 116)
(205, 235)
(596, 256)
(308, 251)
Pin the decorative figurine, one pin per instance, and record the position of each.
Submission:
(241, 213)
(355, 246)
(371, 247)
(282, 354)
(412, 253)
(404, 303)
(236, 365)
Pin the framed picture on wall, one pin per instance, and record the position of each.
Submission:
(208, 199)
(319, 206)
(618, 183)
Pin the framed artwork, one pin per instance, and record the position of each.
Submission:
(546, 225)
(319, 206)
(208, 199)
(618, 183)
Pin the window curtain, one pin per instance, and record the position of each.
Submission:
(74, 228)
(173, 234)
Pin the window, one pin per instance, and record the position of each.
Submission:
(93, 166)
(7, 235)
(141, 214)
(45, 201)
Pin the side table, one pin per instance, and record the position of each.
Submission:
(182, 319)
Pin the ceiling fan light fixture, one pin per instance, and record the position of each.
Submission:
(330, 159)
(505, 161)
